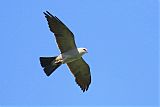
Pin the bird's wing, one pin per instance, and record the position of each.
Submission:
(81, 71)
(64, 37)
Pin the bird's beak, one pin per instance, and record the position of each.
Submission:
(86, 51)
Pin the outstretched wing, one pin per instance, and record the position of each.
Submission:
(81, 72)
(64, 37)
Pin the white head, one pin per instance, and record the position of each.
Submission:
(82, 50)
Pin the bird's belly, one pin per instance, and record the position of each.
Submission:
(68, 58)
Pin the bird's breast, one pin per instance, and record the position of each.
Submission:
(70, 58)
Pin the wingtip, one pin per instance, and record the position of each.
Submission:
(47, 13)
(84, 89)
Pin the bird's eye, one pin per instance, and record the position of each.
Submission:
(84, 49)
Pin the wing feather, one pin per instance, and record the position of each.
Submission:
(64, 37)
(81, 71)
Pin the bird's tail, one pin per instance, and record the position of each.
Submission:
(49, 65)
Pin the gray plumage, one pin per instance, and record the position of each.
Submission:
(70, 54)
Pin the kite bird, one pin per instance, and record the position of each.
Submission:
(70, 54)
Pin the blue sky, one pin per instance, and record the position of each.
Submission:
(122, 40)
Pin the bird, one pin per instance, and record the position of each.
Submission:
(69, 53)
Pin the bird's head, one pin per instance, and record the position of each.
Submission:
(82, 50)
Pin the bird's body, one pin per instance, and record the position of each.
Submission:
(70, 54)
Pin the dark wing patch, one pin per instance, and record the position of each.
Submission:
(81, 71)
(64, 37)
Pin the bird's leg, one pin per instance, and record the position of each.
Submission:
(65, 59)
(62, 59)
(58, 61)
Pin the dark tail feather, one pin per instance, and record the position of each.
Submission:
(45, 61)
(51, 68)
(48, 64)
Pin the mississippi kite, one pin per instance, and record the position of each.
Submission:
(70, 54)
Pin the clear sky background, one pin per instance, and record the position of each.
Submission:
(121, 37)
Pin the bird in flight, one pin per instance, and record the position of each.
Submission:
(70, 54)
